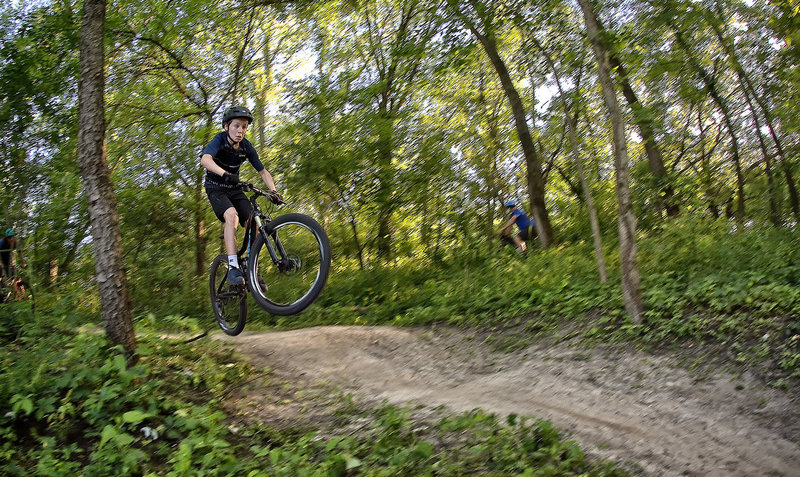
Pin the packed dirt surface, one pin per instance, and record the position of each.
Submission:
(643, 411)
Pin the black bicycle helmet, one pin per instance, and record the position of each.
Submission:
(236, 112)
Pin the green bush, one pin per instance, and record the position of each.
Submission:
(74, 404)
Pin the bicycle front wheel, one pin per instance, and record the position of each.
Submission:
(290, 263)
(228, 302)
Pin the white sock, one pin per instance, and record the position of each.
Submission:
(233, 261)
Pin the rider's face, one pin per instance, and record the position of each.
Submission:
(237, 128)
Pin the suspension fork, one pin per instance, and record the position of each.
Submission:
(276, 259)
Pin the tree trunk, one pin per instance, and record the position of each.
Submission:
(587, 191)
(262, 95)
(786, 167)
(489, 162)
(72, 250)
(641, 116)
(722, 105)
(533, 162)
(385, 182)
(645, 125)
(106, 239)
(200, 236)
(627, 220)
(200, 205)
(747, 85)
(774, 214)
(396, 72)
(705, 172)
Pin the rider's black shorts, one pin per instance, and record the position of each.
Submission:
(524, 234)
(223, 199)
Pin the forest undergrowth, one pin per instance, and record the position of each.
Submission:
(70, 404)
(705, 288)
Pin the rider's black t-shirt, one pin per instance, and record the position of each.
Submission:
(6, 246)
(229, 159)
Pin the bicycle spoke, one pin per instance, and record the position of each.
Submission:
(291, 267)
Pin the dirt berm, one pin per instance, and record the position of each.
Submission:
(635, 408)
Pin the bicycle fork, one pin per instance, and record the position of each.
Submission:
(278, 258)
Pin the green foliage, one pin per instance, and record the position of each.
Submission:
(73, 405)
(519, 447)
(481, 290)
(400, 123)
(701, 282)
(470, 443)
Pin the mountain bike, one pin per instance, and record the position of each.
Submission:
(285, 262)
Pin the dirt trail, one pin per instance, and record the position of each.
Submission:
(631, 407)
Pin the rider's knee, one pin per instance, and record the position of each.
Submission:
(231, 217)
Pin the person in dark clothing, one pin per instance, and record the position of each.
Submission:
(8, 245)
(222, 158)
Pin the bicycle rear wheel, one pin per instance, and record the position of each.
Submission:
(228, 302)
(302, 253)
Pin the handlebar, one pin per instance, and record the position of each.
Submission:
(248, 187)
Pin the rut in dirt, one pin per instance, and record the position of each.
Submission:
(637, 409)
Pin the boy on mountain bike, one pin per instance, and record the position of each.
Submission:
(517, 216)
(221, 158)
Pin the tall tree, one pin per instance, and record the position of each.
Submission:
(710, 83)
(642, 116)
(573, 140)
(486, 36)
(627, 219)
(396, 38)
(749, 90)
(106, 239)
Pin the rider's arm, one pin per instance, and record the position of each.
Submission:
(208, 162)
(267, 177)
(509, 223)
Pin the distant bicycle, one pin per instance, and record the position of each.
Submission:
(286, 261)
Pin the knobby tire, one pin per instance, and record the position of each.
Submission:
(311, 249)
(230, 320)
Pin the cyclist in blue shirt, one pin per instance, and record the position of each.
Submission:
(517, 216)
(222, 158)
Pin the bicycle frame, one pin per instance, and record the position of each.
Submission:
(257, 223)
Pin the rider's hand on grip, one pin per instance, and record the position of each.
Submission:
(276, 198)
(232, 179)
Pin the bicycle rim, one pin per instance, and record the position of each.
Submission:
(291, 285)
(229, 303)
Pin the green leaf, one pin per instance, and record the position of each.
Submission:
(108, 433)
(27, 405)
(134, 417)
(22, 403)
(425, 449)
(123, 439)
(351, 462)
(119, 363)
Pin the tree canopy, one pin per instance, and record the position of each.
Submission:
(401, 125)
